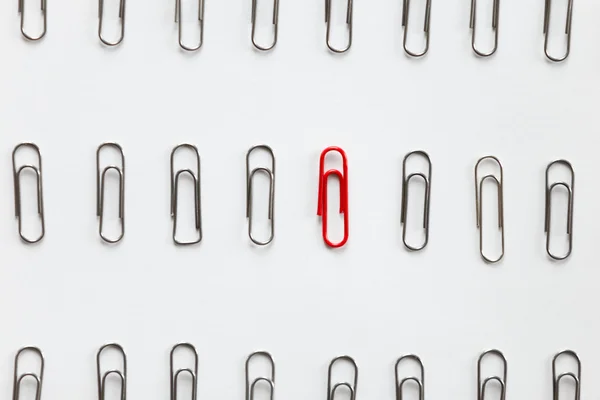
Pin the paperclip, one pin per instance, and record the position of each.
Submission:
(275, 19)
(200, 20)
(348, 23)
(192, 372)
(249, 179)
(121, 374)
(472, 26)
(17, 190)
(567, 30)
(571, 190)
(175, 190)
(405, 10)
(575, 376)
(350, 386)
(478, 204)
(100, 178)
(405, 186)
(501, 380)
(419, 381)
(38, 378)
(101, 20)
(21, 7)
(269, 381)
(322, 197)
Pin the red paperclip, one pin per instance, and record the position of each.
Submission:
(322, 201)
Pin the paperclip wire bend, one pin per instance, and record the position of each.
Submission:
(481, 385)
(575, 376)
(351, 386)
(100, 180)
(419, 381)
(322, 195)
(405, 190)
(405, 12)
(17, 190)
(101, 21)
(275, 25)
(478, 205)
(567, 30)
(197, 194)
(200, 21)
(121, 374)
(473, 27)
(38, 378)
(348, 23)
(270, 381)
(175, 374)
(21, 7)
(249, 198)
(571, 191)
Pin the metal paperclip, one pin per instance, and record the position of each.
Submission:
(269, 381)
(101, 20)
(501, 380)
(192, 372)
(100, 178)
(478, 204)
(38, 378)
(350, 386)
(21, 7)
(275, 19)
(322, 196)
(249, 183)
(17, 190)
(175, 190)
(472, 25)
(405, 10)
(121, 374)
(348, 23)
(419, 381)
(405, 186)
(575, 376)
(571, 190)
(567, 30)
(200, 21)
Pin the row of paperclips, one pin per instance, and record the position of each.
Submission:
(271, 45)
(269, 170)
(268, 380)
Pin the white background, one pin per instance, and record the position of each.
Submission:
(297, 299)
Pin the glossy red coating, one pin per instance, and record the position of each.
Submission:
(322, 200)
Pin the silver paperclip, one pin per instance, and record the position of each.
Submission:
(576, 377)
(405, 10)
(175, 190)
(405, 186)
(121, 374)
(21, 7)
(101, 20)
(38, 378)
(571, 191)
(250, 386)
(200, 21)
(100, 189)
(249, 183)
(350, 386)
(192, 372)
(17, 190)
(419, 381)
(567, 30)
(481, 385)
(348, 23)
(472, 25)
(275, 19)
(478, 204)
